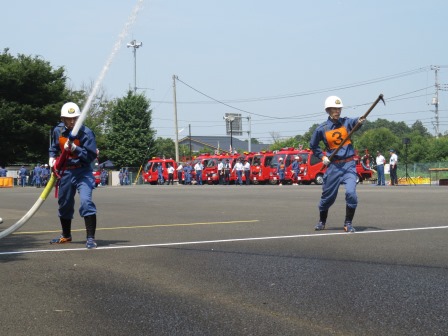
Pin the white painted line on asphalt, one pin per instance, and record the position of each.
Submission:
(314, 235)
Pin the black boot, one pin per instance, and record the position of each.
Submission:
(90, 222)
(322, 220)
(66, 225)
(349, 213)
(323, 216)
(66, 236)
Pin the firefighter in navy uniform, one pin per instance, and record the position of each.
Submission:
(342, 169)
(77, 175)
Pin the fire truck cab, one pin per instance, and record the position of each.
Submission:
(288, 155)
(260, 167)
(150, 171)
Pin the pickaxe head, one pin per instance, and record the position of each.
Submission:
(382, 99)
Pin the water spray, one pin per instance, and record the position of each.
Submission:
(53, 179)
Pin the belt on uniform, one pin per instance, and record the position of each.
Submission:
(73, 167)
(343, 160)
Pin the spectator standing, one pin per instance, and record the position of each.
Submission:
(227, 172)
(393, 162)
(246, 167)
(180, 169)
(281, 168)
(45, 174)
(121, 176)
(3, 171)
(23, 172)
(380, 161)
(221, 172)
(32, 178)
(198, 167)
(104, 176)
(295, 169)
(38, 176)
(187, 173)
(160, 179)
(126, 176)
(239, 168)
(170, 171)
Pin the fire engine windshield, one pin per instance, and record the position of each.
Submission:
(276, 158)
(304, 157)
(148, 166)
(256, 161)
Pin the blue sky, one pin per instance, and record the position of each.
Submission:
(273, 61)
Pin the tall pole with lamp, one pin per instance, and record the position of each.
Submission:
(230, 119)
(135, 45)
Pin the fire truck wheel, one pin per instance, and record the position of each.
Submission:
(273, 182)
(255, 182)
(319, 179)
(358, 179)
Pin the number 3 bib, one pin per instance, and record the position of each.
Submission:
(336, 137)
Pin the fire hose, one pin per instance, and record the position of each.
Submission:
(60, 162)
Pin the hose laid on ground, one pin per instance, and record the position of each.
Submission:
(43, 196)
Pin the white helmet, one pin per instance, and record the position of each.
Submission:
(333, 101)
(70, 110)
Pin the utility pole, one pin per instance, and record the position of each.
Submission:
(135, 45)
(230, 119)
(176, 143)
(249, 133)
(435, 100)
(189, 137)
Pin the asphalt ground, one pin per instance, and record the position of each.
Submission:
(229, 260)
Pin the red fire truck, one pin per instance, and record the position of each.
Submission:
(210, 174)
(150, 171)
(260, 167)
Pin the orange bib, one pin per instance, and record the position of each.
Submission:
(62, 142)
(336, 136)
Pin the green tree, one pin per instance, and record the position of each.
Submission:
(381, 139)
(279, 144)
(437, 150)
(31, 95)
(164, 148)
(129, 137)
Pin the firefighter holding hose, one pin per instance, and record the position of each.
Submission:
(76, 174)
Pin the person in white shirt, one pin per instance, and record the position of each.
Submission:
(170, 171)
(393, 161)
(380, 161)
(180, 169)
(239, 172)
(246, 167)
(198, 167)
(221, 172)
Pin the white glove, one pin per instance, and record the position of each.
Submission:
(69, 146)
(361, 120)
(51, 162)
(326, 160)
